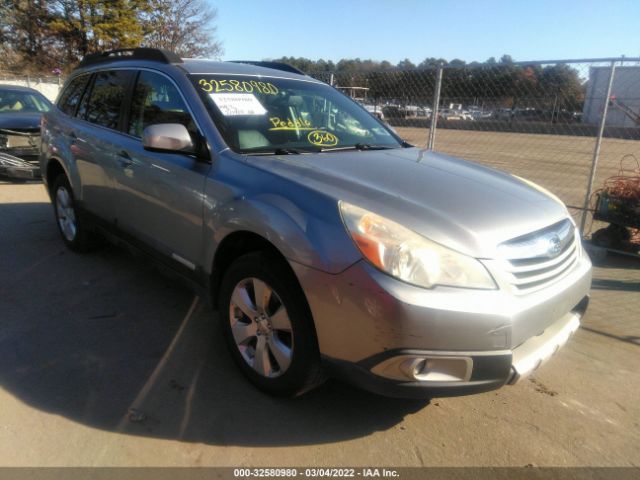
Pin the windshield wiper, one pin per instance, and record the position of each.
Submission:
(279, 151)
(358, 146)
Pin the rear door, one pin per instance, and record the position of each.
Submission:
(160, 195)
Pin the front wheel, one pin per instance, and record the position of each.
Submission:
(268, 326)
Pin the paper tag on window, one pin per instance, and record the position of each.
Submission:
(238, 104)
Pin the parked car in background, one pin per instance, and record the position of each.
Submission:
(327, 243)
(447, 114)
(480, 113)
(503, 114)
(20, 112)
(375, 110)
(406, 111)
(394, 111)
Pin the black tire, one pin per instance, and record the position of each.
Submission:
(304, 371)
(81, 239)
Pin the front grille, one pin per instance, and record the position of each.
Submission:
(537, 259)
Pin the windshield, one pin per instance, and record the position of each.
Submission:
(16, 101)
(274, 115)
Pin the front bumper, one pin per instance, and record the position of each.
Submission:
(486, 370)
(373, 330)
(15, 167)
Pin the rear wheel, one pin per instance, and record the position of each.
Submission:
(268, 326)
(74, 233)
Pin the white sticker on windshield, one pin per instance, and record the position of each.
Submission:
(231, 104)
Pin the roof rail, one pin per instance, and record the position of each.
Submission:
(285, 67)
(140, 53)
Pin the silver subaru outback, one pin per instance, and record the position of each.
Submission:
(328, 245)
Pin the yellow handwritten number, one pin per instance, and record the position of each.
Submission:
(322, 138)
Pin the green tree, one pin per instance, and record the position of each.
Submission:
(406, 64)
(24, 34)
(85, 26)
(432, 62)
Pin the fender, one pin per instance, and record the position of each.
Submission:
(302, 238)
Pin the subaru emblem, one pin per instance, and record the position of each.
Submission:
(554, 246)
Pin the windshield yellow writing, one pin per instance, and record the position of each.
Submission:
(322, 138)
(230, 85)
(290, 124)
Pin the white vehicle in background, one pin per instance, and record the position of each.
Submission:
(448, 114)
(454, 112)
(374, 110)
(479, 113)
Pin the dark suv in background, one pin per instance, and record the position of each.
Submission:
(326, 242)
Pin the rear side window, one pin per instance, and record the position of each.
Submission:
(72, 94)
(107, 96)
(157, 100)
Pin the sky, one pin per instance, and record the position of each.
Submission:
(417, 29)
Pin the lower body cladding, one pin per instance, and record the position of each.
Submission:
(16, 167)
(400, 340)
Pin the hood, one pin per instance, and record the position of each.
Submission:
(464, 206)
(18, 120)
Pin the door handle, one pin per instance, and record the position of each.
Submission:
(125, 159)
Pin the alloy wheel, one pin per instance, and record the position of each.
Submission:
(66, 214)
(261, 327)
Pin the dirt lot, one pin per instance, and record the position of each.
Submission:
(105, 362)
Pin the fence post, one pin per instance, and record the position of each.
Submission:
(434, 109)
(596, 150)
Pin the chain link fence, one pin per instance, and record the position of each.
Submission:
(551, 122)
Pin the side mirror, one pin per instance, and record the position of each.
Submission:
(167, 137)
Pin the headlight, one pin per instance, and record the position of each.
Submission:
(410, 257)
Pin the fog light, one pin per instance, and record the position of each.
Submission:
(423, 368)
(418, 368)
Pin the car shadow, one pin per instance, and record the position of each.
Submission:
(106, 341)
(615, 260)
(633, 340)
(620, 285)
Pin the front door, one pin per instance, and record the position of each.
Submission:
(160, 195)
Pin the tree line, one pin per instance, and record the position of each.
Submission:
(40, 36)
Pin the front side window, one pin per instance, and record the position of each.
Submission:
(71, 96)
(107, 96)
(268, 114)
(157, 100)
